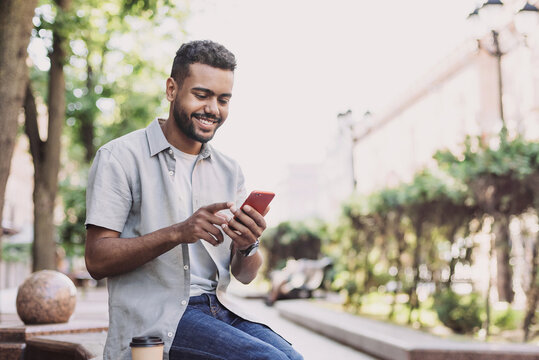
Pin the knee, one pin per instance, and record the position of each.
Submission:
(294, 355)
(270, 353)
(280, 354)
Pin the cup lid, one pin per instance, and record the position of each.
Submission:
(146, 341)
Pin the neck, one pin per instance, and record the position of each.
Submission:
(178, 139)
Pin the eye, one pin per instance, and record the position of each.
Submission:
(224, 101)
(200, 96)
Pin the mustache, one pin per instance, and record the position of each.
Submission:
(207, 116)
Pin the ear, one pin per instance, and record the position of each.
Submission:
(171, 89)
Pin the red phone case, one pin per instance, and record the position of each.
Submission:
(259, 200)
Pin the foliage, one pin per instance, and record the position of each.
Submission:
(72, 231)
(389, 230)
(500, 178)
(16, 252)
(460, 313)
(419, 232)
(291, 240)
(509, 319)
(118, 56)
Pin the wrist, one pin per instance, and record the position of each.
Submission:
(249, 250)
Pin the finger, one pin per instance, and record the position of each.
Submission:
(245, 235)
(233, 234)
(217, 219)
(206, 236)
(213, 208)
(215, 231)
(256, 222)
(236, 237)
(223, 216)
(238, 222)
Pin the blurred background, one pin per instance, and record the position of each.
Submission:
(401, 139)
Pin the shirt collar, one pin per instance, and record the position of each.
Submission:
(158, 142)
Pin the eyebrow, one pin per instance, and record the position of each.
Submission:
(209, 92)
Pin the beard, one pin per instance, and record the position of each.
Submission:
(187, 126)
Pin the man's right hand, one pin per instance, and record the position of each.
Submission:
(107, 254)
(203, 224)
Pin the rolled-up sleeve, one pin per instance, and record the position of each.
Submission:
(108, 195)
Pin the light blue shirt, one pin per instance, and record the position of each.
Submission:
(131, 190)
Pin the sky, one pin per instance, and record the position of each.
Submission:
(302, 62)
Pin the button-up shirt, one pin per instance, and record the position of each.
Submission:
(131, 190)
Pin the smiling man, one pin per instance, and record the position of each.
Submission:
(160, 206)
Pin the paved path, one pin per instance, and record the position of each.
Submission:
(311, 345)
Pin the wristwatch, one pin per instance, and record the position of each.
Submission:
(251, 250)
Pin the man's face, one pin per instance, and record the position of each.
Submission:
(201, 104)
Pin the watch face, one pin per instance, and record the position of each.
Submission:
(251, 250)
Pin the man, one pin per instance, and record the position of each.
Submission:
(164, 225)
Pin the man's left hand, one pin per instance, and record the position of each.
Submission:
(245, 227)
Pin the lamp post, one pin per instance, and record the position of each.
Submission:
(348, 122)
(491, 16)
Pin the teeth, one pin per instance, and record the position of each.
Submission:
(205, 122)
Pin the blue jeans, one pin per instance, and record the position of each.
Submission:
(208, 331)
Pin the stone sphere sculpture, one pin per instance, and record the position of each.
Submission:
(46, 297)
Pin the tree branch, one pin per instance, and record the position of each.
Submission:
(30, 126)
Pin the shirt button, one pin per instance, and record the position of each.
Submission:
(170, 334)
(171, 172)
(184, 302)
(186, 267)
(170, 151)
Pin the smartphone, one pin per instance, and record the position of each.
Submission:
(259, 200)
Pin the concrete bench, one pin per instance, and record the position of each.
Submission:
(75, 340)
(393, 342)
(78, 346)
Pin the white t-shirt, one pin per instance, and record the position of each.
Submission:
(203, 269)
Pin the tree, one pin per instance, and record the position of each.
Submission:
(15, 27)
(46, 154)
(504, 184)
(83, 36)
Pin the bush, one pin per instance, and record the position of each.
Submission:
(462, 314)
(508, 319)
(292, 240)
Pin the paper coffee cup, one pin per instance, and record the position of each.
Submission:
(147, 348)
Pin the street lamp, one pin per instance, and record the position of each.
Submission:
(354, 127)
(492, 17)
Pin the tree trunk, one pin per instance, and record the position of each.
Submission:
(412, 293)
(46, 155)
(454, 260)
(532, 295)
(87, 117)
(399, 276)
(504, 279)
(15, 28)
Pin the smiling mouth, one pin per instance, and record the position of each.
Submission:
(206, 120)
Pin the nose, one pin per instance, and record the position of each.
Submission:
(212, 107)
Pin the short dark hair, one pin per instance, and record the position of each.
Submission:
(204, 52)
